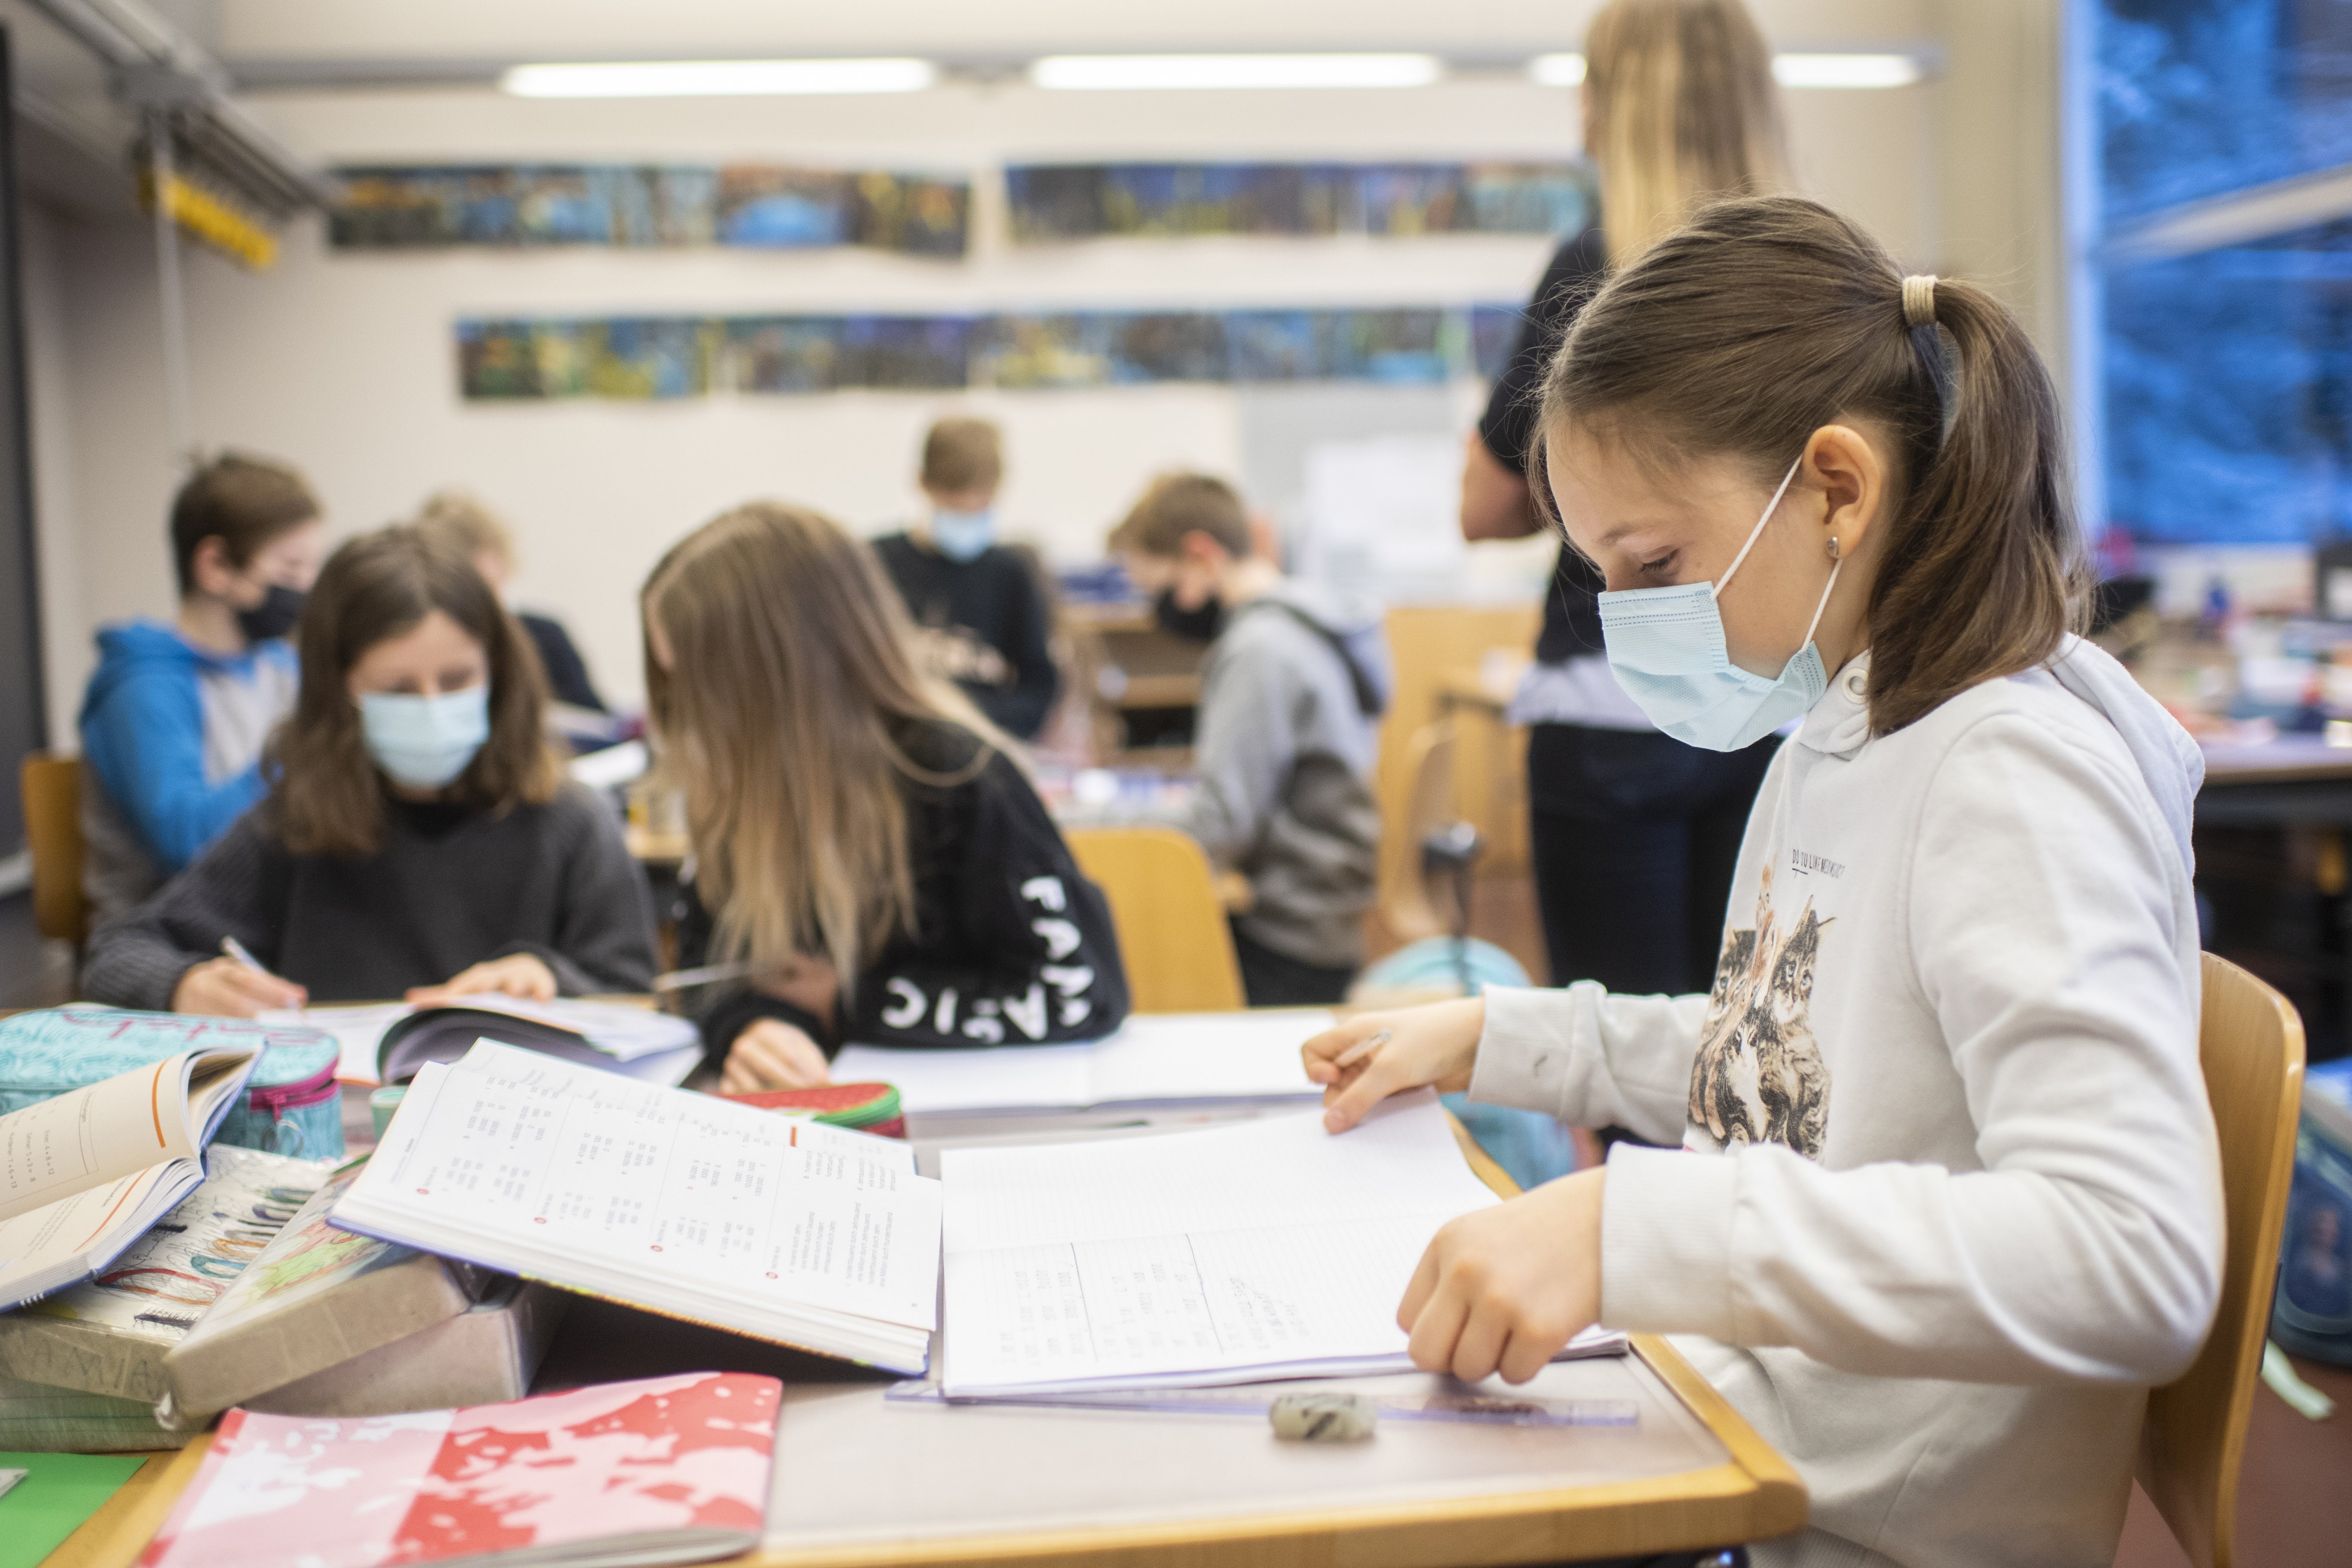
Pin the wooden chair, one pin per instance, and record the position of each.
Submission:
(1171, 926)
(1409, 911)
(2194, 1436)
(52, 798)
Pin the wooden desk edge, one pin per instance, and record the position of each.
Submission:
(118, 1532)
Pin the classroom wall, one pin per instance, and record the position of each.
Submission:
(345, 363)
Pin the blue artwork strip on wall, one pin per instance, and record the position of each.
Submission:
(644, 358)
(1058, 202)
(746, 204)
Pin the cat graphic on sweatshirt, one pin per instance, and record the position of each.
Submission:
(1759, 1077)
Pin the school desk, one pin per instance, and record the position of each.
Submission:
(861, 1483)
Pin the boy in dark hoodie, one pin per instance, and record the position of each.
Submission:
(175, 716)
(1287, 733)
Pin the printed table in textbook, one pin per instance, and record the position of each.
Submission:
(1003, 1485)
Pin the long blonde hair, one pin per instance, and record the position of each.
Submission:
(782, 713)
(1682, 96)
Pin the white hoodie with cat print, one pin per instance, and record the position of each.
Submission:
(1948, 1200)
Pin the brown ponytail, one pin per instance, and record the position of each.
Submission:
(1766, 318)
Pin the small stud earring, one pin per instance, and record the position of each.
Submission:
(1833, 547)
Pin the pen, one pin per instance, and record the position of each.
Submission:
(1361, 1049)
(679, 979)
(236, 949)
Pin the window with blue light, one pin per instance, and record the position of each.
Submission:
(2227, 312)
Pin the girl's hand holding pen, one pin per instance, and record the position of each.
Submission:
(1366, 1059)
(233, 987)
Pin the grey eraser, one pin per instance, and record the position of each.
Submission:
(1323, 1417)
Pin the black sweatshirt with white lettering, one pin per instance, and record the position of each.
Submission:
(1011, 945)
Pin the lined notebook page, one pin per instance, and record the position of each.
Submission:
(1209, 1257)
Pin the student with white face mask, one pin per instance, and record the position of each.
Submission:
(418, 839)
(981, 615)
(1947, 1202)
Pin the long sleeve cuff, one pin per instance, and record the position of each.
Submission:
(1526, 1055)
(1666, 1242)
(138, 973)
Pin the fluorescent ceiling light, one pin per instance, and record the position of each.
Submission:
(1099, 72)
(715, 79)
(1845, 70)
(1556, 70)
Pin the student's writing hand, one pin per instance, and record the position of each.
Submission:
(521, 975)
(771, 1054)
(1502, 1288)
(226, 988)
(812, 985)
(1432, 1045)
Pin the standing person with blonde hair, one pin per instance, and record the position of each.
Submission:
(862, 835)
(1634, 833)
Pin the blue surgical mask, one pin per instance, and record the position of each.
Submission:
(963, 535)
(1665, 647)
(425, 743)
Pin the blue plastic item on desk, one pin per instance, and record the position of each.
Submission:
(292, 1104)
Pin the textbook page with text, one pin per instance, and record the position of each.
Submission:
(677, 1203)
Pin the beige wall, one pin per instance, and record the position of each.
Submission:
(344, 363)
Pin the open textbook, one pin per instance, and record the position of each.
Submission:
(1265, 1249)
(676, 1203)
(84, 1174)
(386, 1042)
(1161, 1059)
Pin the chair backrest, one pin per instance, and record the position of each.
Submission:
(1429, 805)
(52, 795)
(1171, 926)
(2194, 1436)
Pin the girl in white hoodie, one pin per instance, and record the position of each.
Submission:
(1947, 1202)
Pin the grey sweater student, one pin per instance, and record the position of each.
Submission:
(451, 886)
(1285, 749)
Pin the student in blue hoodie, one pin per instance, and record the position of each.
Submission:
(1288, 729)
(175, 716)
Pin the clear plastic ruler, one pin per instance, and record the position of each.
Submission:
(1493, 1409)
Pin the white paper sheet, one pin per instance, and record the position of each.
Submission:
(1265, 1249)
(1157, 1058)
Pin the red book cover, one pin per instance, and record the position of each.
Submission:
(663, 1469)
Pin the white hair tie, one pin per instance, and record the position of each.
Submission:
(1919, 299)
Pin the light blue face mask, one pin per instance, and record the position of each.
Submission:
(425, 743)
(1665, 647)
(963, 535)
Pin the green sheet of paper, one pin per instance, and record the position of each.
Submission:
(59, 1491)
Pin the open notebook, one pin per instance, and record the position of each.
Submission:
(1161, 1059)
(677, 1203)
(84, 1175)
(386, 1042)
(1265, 1249)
